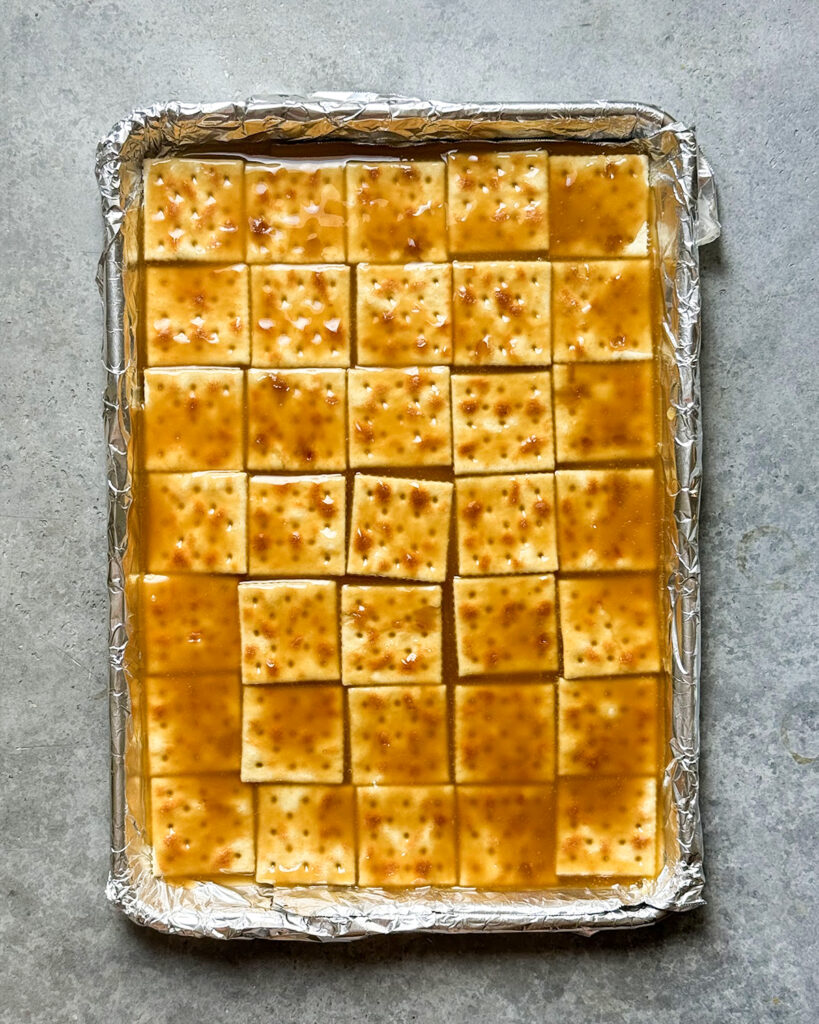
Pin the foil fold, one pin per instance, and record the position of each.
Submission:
(686, 217)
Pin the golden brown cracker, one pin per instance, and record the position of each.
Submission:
(296, 419)
(404, 314)
(406, 835)
(398, 735)
(506, 524)
(609, 625)
(607, 826)
(196, 522)
(197, 316)
(399, 417)
(193, 209)
(193, 724)
(399, 528)
(300, 315)
(292, 734)
(296, 525)
(306, 835)
(396, 211)
(289, 631)
(505, 624)
(192, 419)
(502, 313)
(294, 213)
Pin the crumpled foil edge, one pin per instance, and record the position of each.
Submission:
(686, 207)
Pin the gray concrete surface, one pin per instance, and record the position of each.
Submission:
(740, 71)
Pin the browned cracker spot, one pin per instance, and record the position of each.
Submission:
(506, 836)
(406, 835)
(506, 524)
(399, 528)
(189, 624)
(202, 825)
(599, 205)
(396, 211)
(289, 631)
(197, 316)
(497, 202)
(390, 634)
(193, 724)
(501, 313)
(398, 735)
(294, 213)
(404, 314)
(296, 419)
(607, 827)
(505, 732)
(505, 624)
(608, 726)
(604, 411)
(306, 835)
(602, 311)
(296, 525)
(197, 522)
(193, 419)
(300, 316)
(193, 209)
(609, 625)
(502, 422)
(400, 417)
(606, 519)
(292, 734)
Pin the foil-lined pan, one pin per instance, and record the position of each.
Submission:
(685, 211)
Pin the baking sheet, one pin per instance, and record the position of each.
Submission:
(686, 217)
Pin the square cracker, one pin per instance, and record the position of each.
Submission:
(404, 314)
(296, 419)
(396, 211)
(296, 525)
(505, 732)
(202, 825)
(599, 205)
(506, 524)
(497, 202)
(294, 213)
(306, 835)
(390, 634)
(607, 519)
(292, 734)
(398, 735)
(399, 528)
(192, 419)
(193, 209)
(189, 624)
(608, 726)
(609, 625)
(502, 422)
(193, 724)
(197, 316)
(289, 631)
(506, 836)
(300, 316)
(502, 313)
(607, 827)
(505, 624)
(602, 311)
(400, 417)
(196, 522)
(604, 411)
(406, 835)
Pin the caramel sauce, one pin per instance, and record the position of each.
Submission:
(455, 752)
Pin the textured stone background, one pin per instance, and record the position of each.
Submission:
(741, 72)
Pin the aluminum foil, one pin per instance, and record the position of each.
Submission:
(686, 217)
